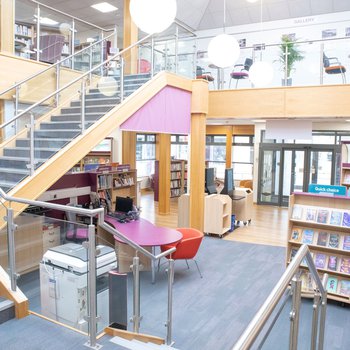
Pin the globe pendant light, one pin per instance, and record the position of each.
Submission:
(223, 50)
(261, 73)
(153, 16)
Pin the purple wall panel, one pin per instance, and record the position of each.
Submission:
(167, 112)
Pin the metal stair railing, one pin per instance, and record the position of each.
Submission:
(90, 245)
(253, 330)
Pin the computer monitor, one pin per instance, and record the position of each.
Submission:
(210, 187)
(228, 182)
(123, 204)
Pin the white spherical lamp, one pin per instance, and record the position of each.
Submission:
(261, 73)
(223, 50)
(153, 16)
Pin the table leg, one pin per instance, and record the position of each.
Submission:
(153, 266)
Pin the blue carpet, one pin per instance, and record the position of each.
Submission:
(208, 313)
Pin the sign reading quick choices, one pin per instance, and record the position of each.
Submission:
(328, 189)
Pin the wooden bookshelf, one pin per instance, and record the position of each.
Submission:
(323, 223)
(178, 178)
(112, 183)
(217, 214)
(345, 164)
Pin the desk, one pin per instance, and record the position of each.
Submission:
(145, 234)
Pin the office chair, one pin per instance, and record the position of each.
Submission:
(333, 66)
(243, 73)
(187, 248)
(50, 48)
(200, 74)
(75, 232)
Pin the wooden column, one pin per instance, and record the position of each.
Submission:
(130, 37)
(199, 111)
(129, 148)
(164, 173)
(7, 23)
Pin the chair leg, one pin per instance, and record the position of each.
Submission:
(229, 84)
(188, 266)
(343, 77)
(199, 271)
(237, 83)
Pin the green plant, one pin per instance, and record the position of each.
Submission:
(294, 54)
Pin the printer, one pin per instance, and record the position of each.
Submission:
(63, 284)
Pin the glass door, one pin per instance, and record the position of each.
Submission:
(269, 170)
(320, 167)
(293, 176)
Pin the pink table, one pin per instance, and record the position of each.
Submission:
(145, 234)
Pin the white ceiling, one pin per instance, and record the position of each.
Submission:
(208, 14)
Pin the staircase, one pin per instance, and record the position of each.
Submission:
(63, 128)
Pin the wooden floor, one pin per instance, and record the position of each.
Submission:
(268, 225)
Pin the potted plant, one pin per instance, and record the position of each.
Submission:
(294, 55)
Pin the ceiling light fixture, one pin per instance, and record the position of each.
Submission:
(261, 73)
(46, 21)
(252, 1)
(153, 16)
(104, 7)
(223, 50)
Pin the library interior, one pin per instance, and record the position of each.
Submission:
(178, 164)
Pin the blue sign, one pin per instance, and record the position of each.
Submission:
(328, 189)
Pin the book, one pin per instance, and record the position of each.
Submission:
(346, 179)
(308, 236)
(332, 284)
(311, 214)
(306, 281)
(333, 240)
(322, 238)
(345, 265)
(332, 263)
(297, 212)
(296, 234)
(320, 260)
(346, 243)
(346, 219)
(293, 253)
(322, 216)
(344, 288)
(336, 218)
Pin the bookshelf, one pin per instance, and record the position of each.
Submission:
(322, 222)
(24, 33)
(217, 214)
(345, 164)
(112, 183)
(178, 178)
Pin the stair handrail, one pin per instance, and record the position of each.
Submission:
(112, 58)
(14, 86)
(254, 328)
(90, 245)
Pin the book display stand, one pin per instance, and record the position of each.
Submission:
(323, 223)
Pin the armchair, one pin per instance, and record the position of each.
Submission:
(242, 73)
(188, 247)
(333, 66)
(201, 74)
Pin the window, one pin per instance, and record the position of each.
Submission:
(215, 154)
(243, 157)
(179, 147)
(145, 154)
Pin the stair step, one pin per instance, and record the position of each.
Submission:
(13, 175)
(18, 162)
(58, 142)
(107, 101)
(25, 152)
(74, 118)
(48, 134)
(78, 113)
(63, 125)
(7, 310)
(88, 109)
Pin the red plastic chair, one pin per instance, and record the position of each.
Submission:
(187, 248)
